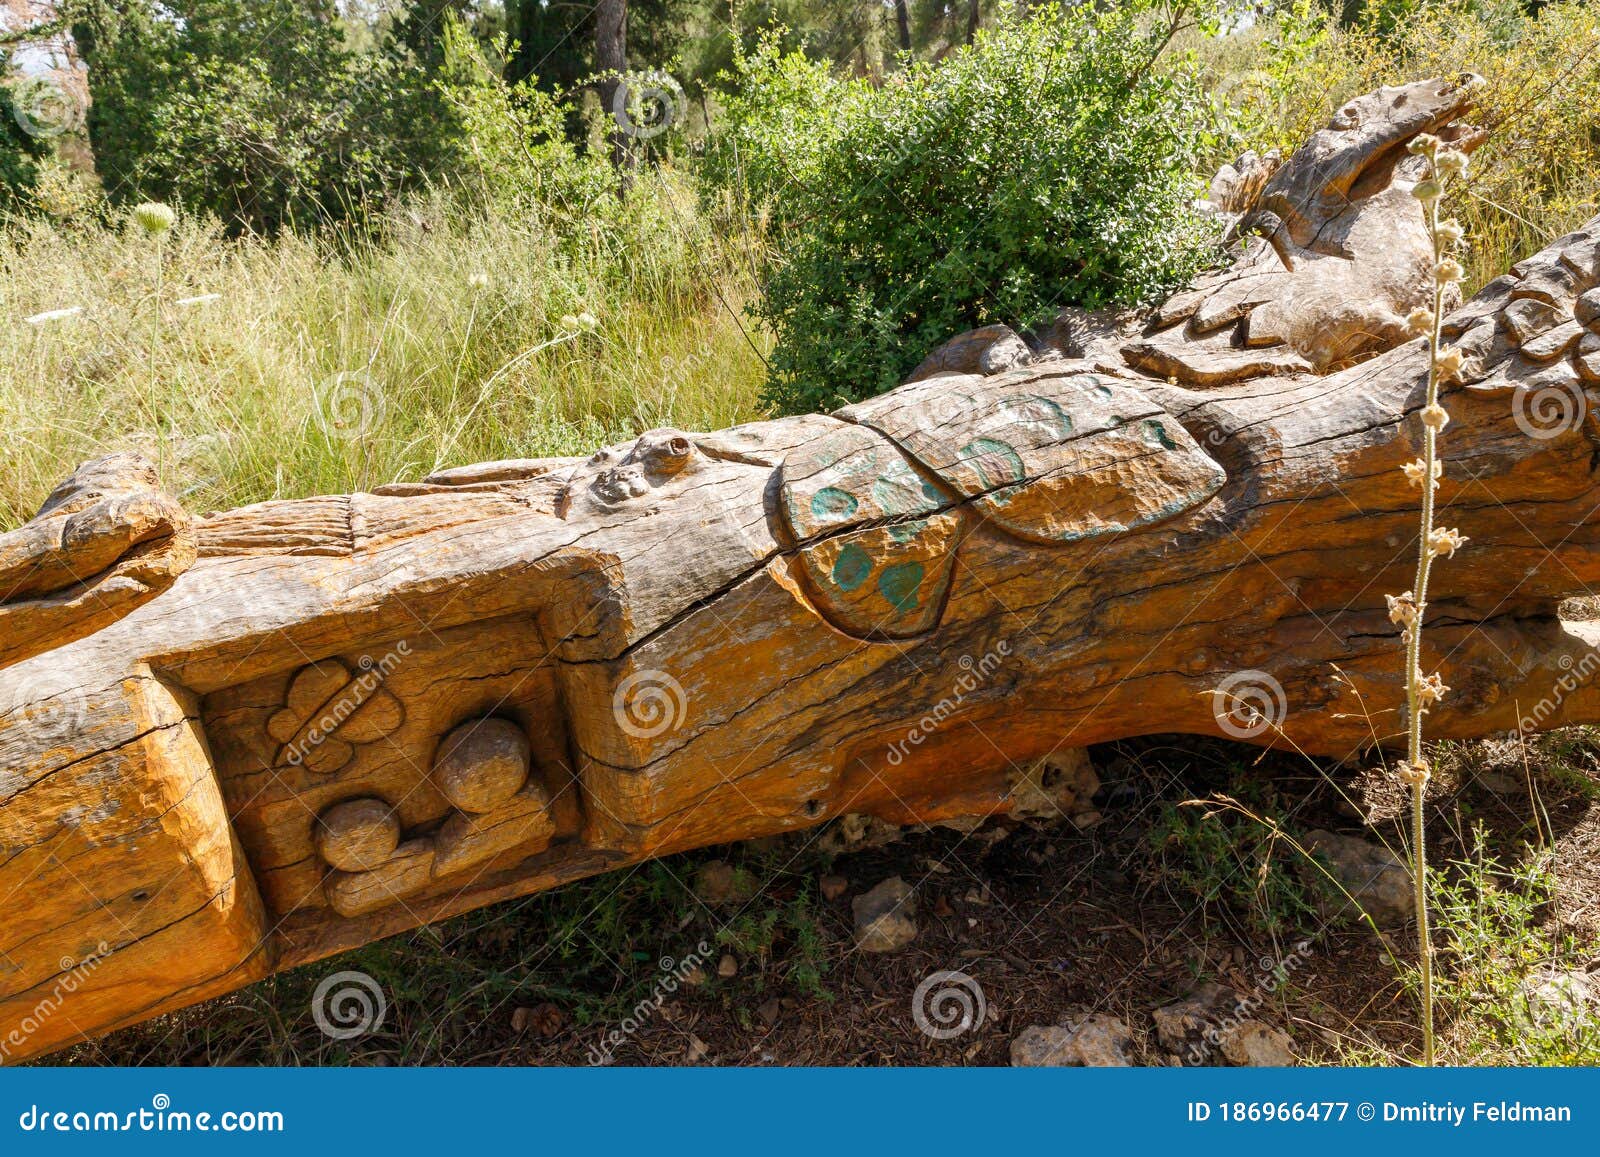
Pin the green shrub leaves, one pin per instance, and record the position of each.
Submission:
(1051, 163)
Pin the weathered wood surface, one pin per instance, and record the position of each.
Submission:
(352, 715)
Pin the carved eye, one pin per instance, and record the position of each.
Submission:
(1347, 118)
(678, 447)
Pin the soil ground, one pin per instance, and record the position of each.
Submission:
(1050, 922)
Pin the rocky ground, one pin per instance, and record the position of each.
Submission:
(1199, 907)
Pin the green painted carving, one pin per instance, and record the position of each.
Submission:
(899, 585)
(853, 477)
(996, 462)
(900, 490)
(1155, 435)
(1044, 414)
(852, 567)
(830, 502)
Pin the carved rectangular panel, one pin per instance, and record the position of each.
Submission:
(398, 780)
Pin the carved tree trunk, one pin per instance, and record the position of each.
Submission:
(356, 714)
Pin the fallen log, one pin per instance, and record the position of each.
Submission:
(309, 724)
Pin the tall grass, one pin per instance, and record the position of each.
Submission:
(318, 367)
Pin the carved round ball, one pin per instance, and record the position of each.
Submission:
(358, 834)
(482, 764)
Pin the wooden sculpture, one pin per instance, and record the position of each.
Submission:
(240, 743)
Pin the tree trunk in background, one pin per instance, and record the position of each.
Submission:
(902, 20)
(611, 59)
(972, 21)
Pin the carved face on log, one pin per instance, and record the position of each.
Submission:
(355, 714)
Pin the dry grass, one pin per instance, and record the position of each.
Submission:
(317, 368)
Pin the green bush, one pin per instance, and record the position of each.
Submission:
(20, 152)
(242, 108)
(779, 114)
(262, 113)
(1051, 163)
(508, 148)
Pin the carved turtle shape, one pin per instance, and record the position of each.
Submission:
(1051, 458)
(879, 508)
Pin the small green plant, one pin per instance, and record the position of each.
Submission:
(784, 933)
(1510, 982)
(1230, 860)
(1050, 163)
(1444, 165)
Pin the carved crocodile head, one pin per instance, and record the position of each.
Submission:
(1341, 254)
(1312, 199)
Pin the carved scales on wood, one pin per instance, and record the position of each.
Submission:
(233, 745)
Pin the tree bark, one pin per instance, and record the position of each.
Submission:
(902, 20)
(355, 714)
(611, 58)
